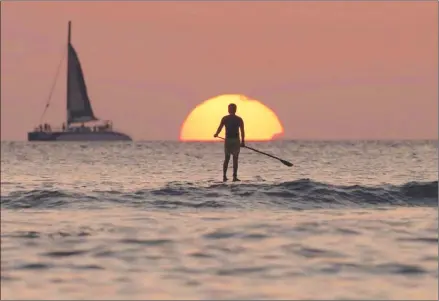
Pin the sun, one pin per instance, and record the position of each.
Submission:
(261, 123)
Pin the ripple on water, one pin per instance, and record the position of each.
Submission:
(219, 234)
(23, 234)
(335, 268)
(346, 231)
(255, 236)
(398, 268)
(146, 242)
(317, 253)
(201, 255)
(387, 268)
(428, 240)
(35, 266)
(311, 252)
(430, 258)
(65, 253)
(5, 277)
(87, 267)
(241, 270)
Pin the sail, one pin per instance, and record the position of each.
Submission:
(78, 104)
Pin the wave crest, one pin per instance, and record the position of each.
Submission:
(299, 194)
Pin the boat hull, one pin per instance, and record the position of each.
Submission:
(75, 136)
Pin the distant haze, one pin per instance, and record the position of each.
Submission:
(330, 70)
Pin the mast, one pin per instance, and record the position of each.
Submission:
(68, 73)
(78, 102)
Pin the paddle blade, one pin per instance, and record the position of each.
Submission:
(286, 163)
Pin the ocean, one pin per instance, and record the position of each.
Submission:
(152, 220)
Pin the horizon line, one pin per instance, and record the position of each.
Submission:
(253, 141)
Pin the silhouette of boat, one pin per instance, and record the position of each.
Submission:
(79, 111)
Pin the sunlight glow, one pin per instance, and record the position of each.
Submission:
(261, 123)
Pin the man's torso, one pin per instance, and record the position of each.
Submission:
(232, 124)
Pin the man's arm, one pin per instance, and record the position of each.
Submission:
(242, 132)
(220, 127)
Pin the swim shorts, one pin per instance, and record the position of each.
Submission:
(232, 146)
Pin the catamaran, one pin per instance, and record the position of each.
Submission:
(79, 110)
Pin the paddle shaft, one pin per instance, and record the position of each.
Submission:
(263, 153)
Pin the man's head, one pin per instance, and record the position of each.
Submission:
(232, 109)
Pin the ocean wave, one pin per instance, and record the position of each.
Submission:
(299, 194)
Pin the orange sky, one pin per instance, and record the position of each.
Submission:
(330, 70)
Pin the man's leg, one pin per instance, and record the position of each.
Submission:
(235, 166)
(225, 165)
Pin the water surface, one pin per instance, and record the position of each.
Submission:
(151, 220)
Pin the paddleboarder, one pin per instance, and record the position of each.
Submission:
(232, 143)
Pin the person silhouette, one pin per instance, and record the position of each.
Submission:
(233, 123)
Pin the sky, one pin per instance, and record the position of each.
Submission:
(329, 70)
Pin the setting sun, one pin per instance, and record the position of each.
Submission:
(261, 123)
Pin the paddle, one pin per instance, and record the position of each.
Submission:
(271, 156)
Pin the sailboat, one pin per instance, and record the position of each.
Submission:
(79, 111)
